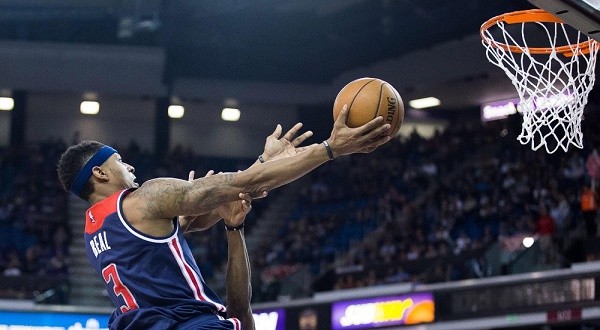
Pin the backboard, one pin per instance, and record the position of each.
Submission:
(583, 15)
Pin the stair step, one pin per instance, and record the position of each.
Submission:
(90, 301)
(274, 216)
(81, 271)
(79, 262)
(78, 240)
(78, 249)
(84, 281)
(88, 291)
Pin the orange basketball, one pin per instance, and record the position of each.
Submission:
(368, 98)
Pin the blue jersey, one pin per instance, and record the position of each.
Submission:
(153, 281)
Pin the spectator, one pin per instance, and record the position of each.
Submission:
(397, 275)
(480, 268)
(575, 167)
(437, 274)
(593, 167)
(14, 266)
(462, 243)
(545, 224)
(560, 212)
(32, 264)
(589, 209)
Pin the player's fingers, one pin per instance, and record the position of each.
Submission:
(209, 173)
(383, 130)
(343, 116)
(245, 197)
(246, 201)
(260, 195)
(277, 132)
(374, 124)
(298, 141)
(374, 143)
(292, 132)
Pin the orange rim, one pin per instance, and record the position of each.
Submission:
(531, 16)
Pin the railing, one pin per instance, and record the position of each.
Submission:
(47, 289)
(555, 296)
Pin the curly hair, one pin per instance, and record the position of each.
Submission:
(72, 160)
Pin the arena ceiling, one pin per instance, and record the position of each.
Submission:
(265, 40)
(432, 46)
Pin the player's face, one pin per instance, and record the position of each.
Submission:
(122, 172)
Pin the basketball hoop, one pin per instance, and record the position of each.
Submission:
(553, 79)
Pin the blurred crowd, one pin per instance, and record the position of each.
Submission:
(415, 210)
(34, 231)
(432, 210)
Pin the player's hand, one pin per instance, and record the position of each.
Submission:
(280, 147)
(345, 140)
(234, 213)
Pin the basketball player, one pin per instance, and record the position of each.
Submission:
(135, 242)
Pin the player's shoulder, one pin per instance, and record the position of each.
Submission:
(141, 204)
(153, 187)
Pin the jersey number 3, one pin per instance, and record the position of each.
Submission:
(119, 288)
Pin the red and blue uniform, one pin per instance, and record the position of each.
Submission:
(154, 282)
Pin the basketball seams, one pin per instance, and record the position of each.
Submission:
(400, 116)
(378, 101)
(356, 94)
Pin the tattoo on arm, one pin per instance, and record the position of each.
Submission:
(168, 197)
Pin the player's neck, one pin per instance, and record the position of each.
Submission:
(100, 193)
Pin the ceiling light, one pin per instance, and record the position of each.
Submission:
(230, 114)
(89, 107)
(427, 102)
(7, 103)
(176, 111)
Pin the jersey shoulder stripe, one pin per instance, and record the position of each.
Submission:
(97, 213)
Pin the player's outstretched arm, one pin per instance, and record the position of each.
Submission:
(276, 147)
(167, 197)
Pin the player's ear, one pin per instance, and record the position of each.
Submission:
(98, 173)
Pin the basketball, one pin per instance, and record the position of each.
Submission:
(368, 98)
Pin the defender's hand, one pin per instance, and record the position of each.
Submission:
(234, 213)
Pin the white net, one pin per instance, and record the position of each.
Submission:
(553, 88)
